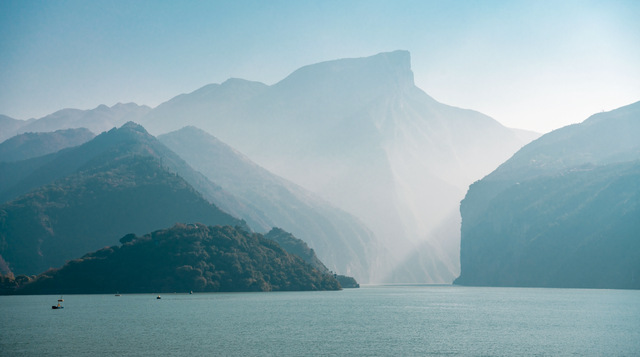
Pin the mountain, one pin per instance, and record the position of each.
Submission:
(210, 103)
(562, 212)
(296, 246)
(91, 208)
(340, 239)
(80, 198)
(362, 136)
(22, 176)
(28, 145)
(11, 173)
(9, 126)
(184, 258)
(97, 120)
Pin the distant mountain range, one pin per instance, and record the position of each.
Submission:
(352, 156)
(97, 120)
(362, 136)
(29, 145)
(564, 211)
(9, 126)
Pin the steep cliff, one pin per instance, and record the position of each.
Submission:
(562, 212)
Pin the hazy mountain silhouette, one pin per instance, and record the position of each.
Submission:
(204, 106)
(341, 241)
(28, 145)
(97, 120)
(361, 135)
(22, 176)
(9, 126)
(562, 212)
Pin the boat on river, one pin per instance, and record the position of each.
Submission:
(55, 307)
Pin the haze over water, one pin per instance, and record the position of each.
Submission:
(372, 321)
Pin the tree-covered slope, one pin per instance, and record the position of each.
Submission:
(191, 257)
(28, 145)
(87, 210)
(296, 246)
(562, 212)
(341, 240)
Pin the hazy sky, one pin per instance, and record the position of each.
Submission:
(529, 64)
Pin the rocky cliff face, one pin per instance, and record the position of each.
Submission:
(562, 212)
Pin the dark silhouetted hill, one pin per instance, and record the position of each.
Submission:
(296, 246)
(191, 257)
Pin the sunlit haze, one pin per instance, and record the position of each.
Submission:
(532, 65)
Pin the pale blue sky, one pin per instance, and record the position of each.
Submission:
(529, 64)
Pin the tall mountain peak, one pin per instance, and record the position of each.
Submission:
(362, 136)
(378, 71)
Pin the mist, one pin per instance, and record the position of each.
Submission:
(362, 136)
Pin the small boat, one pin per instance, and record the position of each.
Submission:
(117, 294)
(158, 297)
(60, 300)
(58, 306)
(191, 292)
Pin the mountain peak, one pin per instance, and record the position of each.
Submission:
(134, 127)
(398, 58)
(381, 70)
(233, 82)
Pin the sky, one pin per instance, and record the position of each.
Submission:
(536, 65)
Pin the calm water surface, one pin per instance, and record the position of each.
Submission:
(371, 321)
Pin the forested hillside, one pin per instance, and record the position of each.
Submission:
(191, 257)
